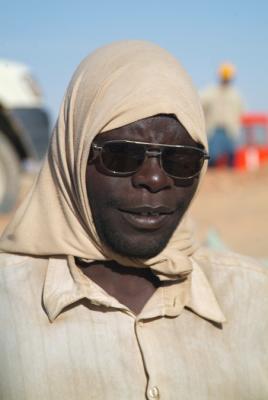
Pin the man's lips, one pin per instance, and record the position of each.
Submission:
(148, 210)
(147, 217)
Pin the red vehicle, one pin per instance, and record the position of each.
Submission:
(253, 151)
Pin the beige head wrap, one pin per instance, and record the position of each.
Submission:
(116, 85)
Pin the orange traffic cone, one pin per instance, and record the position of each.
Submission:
(248, 158)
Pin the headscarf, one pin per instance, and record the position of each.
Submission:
(116, 85)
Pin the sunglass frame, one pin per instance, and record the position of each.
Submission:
(97, 152)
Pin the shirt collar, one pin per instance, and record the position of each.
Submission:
(202, 299)
(66, 284)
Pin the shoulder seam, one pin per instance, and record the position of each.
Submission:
(223, 264)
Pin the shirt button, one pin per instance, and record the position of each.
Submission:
(154, 393)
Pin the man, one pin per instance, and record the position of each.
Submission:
(104, 293)
(223, 107)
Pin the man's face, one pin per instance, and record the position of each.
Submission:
(136, 215)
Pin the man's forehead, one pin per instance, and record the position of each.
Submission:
(159, 129)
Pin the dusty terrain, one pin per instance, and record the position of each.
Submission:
(234, 206)
(231, 210)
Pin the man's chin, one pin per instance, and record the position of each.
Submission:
(133, 243)
(143, 250)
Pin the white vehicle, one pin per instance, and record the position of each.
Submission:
(24, 127)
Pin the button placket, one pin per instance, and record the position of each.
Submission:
(152, 391)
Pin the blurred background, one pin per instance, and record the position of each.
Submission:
(41, 43)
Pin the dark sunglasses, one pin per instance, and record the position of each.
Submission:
(125, 157)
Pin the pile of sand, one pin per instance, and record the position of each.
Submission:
(231, 207)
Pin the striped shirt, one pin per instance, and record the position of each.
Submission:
(64, 337)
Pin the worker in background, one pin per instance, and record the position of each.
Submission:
(223, 107)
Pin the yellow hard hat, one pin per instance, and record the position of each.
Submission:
(226, 71)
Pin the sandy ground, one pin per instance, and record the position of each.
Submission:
(231, 209)
(234, 206)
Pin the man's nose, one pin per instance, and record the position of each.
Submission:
(151, 176)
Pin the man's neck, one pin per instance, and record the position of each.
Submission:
(130, 286)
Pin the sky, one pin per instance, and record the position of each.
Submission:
(52, 37)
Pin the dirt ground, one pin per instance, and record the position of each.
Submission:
(233, 206)
(231, 209)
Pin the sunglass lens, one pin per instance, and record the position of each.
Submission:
(122, 157)
(182, 162)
